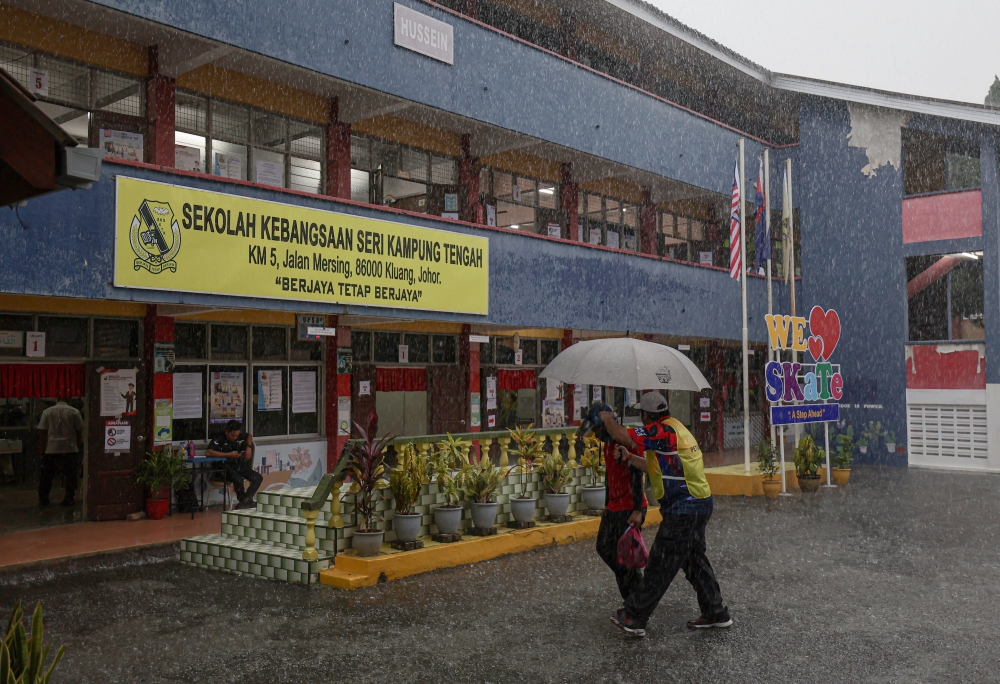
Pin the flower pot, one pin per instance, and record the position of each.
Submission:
(593, 497)
(406, 526)
(367, 543)
(557, 504)
(841, 475)
(864, 449)
(891, 447)
(484, 515)
(772, 488)
(523, 510)
(809, 483)
(447, 519)
(156, 509)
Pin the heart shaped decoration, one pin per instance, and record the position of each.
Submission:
(816, 347)
(825, 324)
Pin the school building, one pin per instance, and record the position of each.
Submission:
(307, 213)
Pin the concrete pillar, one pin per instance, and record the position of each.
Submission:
(568, 199)
(161, 99)
(338, 154)
(468, 179)
(989, 165)
(647, 223)
(567, 34)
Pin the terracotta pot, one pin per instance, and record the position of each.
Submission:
(809, 483)
(772, 488)
(367, 543)
(156, 509)
(841, 476)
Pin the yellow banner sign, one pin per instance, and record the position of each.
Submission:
(169, 237)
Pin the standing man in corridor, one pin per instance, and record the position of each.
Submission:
(677, 475)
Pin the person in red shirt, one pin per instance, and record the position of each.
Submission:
(624, 504)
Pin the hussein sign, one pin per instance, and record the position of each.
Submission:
(423, 34)
(814, 390)
(175, 238)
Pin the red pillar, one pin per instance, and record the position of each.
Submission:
(160, 385)
(338, 154)
(567, 342)
(569, 199)
(161, 98)
(647, 223)
(468, 179)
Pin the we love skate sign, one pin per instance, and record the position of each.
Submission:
(804, 393)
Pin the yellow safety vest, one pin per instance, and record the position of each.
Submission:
(691, 461)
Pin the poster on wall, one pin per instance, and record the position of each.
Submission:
(553, 413)
(163, 357)
(343, 416)
(553, 389)
(475, 418)
(163, 416)
(345, 360)
(579, 400)
(11, 339)
(613, 239)
(491, 387)
(121, 144)
(118, 392)
(492, 421)
(491, 215)
(187, 396)
(229, 165)
(269, 390)
(270, 173)
(188, 159)
(117, 436)
(595, 393)
(303, 391)
(451, 202)
(364, 388)
(227, 397)
(554, 230)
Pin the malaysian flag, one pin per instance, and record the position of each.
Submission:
(762, 231)
(735, 261)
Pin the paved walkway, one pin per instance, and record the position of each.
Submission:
(894, 579)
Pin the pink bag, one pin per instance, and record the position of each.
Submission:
(632, 552)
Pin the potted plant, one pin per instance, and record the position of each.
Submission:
(450, 465)
(161, 472)
(869, 436)
(480, 484)
(863, 445)
(367, 470)
(405, 481)
(807, 463)
(554, 478)
(842, 459)
(890, 441)
(528, 449)
(768, 466)
(594, 494)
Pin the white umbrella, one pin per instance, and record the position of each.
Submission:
(626, 362)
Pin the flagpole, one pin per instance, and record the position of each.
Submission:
(791, 261)
(767, 233)
(743, 289)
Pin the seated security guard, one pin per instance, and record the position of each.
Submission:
(237, 448)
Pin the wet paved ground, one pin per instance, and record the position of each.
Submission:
(896, 578)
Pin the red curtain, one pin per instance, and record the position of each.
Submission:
(515, 379)
(41, 380)
(400, 380)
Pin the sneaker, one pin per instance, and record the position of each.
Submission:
(631, 626)
(243, 505)
(720, 619)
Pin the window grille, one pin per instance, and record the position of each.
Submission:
(230, 122)
(69, 83)
(191, 113)
(116, 93)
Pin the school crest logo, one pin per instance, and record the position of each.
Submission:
(663, 375)
(155, 237)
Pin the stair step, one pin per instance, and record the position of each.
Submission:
(252, 558)
(284, 531)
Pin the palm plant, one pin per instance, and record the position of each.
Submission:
(528, 449)
(406, 479)
(481, 481)
(593, 459)
(367, 469)
(22, 657)
(555, 474)
(451, 465)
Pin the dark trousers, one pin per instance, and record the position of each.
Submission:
(69, 464)
(239, 469)
(679, 545)
(613, 526)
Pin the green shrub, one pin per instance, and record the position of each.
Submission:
(22, 657)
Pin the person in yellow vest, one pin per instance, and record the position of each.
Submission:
(673, 461)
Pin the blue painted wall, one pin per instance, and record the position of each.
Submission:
(495, 79)
(68, 247)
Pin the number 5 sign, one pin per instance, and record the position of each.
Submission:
(38, 80)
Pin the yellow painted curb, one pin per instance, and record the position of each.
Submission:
(734, 481)
(352, 571)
